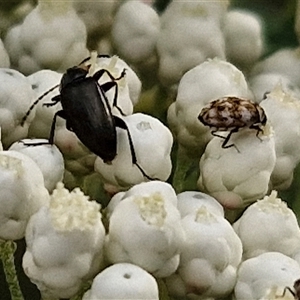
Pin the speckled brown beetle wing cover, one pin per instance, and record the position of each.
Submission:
(230, 112)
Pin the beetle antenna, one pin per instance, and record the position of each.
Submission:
(36, 102)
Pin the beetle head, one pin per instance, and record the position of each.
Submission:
(262, 116)
(73, 74)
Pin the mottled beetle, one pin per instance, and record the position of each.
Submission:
(231, 114)
(87, 112)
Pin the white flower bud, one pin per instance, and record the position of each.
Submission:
(256, 276)
(64, 243)
(152, 142)
(48, 158)
(243, 38)
(285, 62)
(22, 193)
(208, 81)
(16, 88)
(123, 281)
(238, 175)
(283, 113)
(135, 31)
(209, 258)
(149, 234)
(32, 49)
(4, 58)
(180, 47)
(269, 225)
(97, 15)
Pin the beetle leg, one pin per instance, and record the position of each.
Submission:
(213, 132)
(109, 85)
(290, 290)
(258, 130)
(61, 114)
(224, 145)
(54, 101)
(101, 72)
(227, 138)
(121, 124)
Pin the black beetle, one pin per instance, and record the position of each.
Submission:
(87, 112)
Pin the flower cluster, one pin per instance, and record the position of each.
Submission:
(142, 151)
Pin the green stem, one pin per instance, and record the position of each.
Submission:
(7, 250)
(186, 172)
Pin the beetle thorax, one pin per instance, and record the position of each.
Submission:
(72, 75)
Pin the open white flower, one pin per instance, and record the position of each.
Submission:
(237, 176)
(64, 243)
(270, 270)
(145, 229)
(152, 143)
(209, 258)
(22, 193)
(143, 189)
(123, 281)
(269, 225)
(190, 201)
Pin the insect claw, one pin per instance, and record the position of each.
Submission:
(237, 149)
